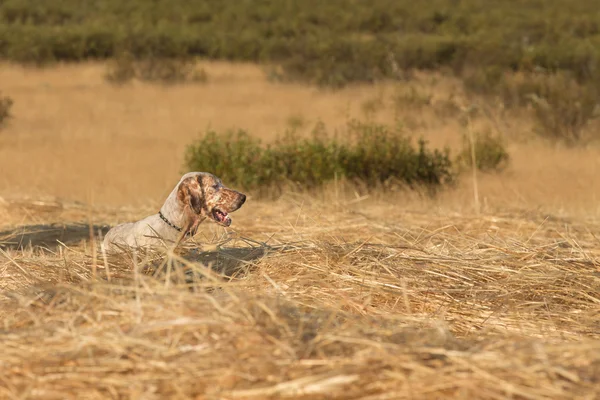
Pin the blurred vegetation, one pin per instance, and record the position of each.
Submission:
(554, 44)
(562, 105)
(5, 106)
(330, 43)
(371, 154)
(489, 151)
(124, 68)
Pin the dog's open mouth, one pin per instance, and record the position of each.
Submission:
(221, 217)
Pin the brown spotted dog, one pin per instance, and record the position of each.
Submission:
(197, 196)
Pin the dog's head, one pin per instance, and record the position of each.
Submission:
(203, 195)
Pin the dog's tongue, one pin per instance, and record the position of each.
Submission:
(223, 217)
(227, 220)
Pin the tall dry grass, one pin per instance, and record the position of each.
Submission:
(348, 299)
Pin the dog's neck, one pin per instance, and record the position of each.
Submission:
(166, 221)
(172, 210)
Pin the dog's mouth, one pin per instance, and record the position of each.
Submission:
(221, 217)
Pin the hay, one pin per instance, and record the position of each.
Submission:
(325, 302)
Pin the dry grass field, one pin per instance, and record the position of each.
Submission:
(328, 294)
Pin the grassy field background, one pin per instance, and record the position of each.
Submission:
(383, 295)
(76, 137)
(487, 290)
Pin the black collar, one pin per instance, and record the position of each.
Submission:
(160, 214)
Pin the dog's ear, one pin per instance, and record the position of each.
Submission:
(190, 194)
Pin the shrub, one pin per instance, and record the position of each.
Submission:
(372, 154)
(490, 153)
(163, 70)
(306, 163)
(378, 154)
(121, 69)
(5, 106)
(234, 156)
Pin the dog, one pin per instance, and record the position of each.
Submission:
(197, 196)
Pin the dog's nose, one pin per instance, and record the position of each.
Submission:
(242, 199)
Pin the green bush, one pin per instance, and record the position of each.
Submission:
(379, 154)
(234, 156)
(5, 106)
(372, 154)
(490, 153)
